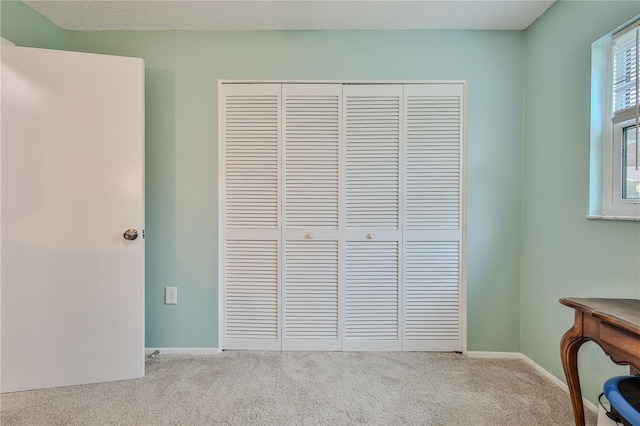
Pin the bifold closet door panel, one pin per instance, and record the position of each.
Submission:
(312, 120)
(250, 183)
(372, 220)
(434, 135)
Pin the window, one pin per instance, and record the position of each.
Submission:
(615, 90)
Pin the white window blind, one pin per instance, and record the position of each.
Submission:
(625, 74)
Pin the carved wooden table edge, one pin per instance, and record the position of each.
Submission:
(620, 319)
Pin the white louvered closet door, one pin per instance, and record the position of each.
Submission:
(342, 216)
(434, 134)
(311, 138)
(250, 193)
(372, 220)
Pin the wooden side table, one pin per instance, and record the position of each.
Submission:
(614, 324)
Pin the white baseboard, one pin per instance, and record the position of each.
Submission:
(480, 354)
(518, 355)
(183, 351)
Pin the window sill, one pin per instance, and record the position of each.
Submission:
(601, 217)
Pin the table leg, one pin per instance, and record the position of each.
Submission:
(571, 342)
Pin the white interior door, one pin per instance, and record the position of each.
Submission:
(72, 183)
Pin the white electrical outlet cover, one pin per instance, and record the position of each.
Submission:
(171, 295)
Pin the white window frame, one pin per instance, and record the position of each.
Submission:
(606, 200)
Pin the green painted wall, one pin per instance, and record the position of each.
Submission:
(24, 26)
(182, 70)
(564, 254)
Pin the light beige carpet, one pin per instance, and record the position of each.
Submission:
(306, 388)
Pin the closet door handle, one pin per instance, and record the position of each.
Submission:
(371, 236)
(311, 236)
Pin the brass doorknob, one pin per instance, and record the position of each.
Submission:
(130, 234)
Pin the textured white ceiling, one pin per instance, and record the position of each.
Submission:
(134, 15)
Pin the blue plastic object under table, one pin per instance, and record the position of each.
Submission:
(623, 393)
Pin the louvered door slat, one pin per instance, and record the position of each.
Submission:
(372, 144)
(311, 138)
(311, 295)
(433, 144)
(251, 135)
(251, 290)
(432, 311)
(371, 295)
